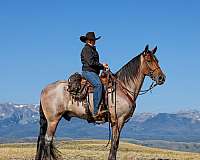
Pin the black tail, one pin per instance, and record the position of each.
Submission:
(41, 137)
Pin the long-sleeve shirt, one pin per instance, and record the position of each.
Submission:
(90, 59)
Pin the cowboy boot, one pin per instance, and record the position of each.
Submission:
(90, 118)
(101, 116)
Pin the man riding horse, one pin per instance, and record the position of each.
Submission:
(57, 99)
(91, 68)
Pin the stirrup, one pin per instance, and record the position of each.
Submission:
(99, 119)
(101, 115)
(100, 122)
(91, 120)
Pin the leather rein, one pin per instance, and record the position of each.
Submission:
(129, 93)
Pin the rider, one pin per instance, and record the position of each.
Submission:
(91, 68)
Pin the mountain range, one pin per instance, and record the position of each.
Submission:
(22, 121)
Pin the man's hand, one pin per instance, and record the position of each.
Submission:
(105, 66)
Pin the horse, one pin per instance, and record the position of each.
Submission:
(56, 102)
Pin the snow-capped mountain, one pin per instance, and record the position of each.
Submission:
(22, 120)
(193, 114)
(18, 113)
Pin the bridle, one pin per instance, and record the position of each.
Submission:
(141, 92)
(132, 93)
(150, 74)
(153, 84)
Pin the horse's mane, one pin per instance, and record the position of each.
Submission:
(129, 70)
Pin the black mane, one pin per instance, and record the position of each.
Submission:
(129, 70)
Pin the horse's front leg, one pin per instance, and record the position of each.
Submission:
(116, 130)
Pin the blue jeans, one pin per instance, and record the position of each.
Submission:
(94, 79)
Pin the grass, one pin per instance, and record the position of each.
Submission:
(94, 150)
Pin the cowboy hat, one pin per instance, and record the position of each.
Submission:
(89, 36)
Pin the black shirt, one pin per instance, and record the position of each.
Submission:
(90, 59)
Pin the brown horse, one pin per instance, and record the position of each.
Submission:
(56, 103)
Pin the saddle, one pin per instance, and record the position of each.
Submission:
(79, 89)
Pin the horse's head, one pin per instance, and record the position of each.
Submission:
(151, 67)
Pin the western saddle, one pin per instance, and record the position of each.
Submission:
(79, 89)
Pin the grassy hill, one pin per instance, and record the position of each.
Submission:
(94, 150)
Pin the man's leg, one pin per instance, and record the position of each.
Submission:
(94, 79)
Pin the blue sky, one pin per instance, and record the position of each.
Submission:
(39, 44)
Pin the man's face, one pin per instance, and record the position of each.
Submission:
(92, 42)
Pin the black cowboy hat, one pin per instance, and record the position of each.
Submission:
(89, 36)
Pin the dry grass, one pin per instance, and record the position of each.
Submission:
(95, 150)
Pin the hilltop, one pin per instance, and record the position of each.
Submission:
(95, 150)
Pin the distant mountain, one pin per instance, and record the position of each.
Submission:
(22, 121)
(164, 126)
(18, 114)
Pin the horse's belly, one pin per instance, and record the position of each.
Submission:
(76, 109)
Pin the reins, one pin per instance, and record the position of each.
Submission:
(131, 92)
(142, 91)
(149, 89)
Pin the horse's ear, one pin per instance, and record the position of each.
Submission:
(146, 48)
(154, 50)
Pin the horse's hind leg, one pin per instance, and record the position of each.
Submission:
(41, 138)
(51, 152)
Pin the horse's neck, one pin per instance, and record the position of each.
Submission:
(135, 83)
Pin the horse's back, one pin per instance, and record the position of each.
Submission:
(56, 86)
(54, 95)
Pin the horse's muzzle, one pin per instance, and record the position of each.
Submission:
(160, 79)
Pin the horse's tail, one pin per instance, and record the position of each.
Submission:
(41, 137)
